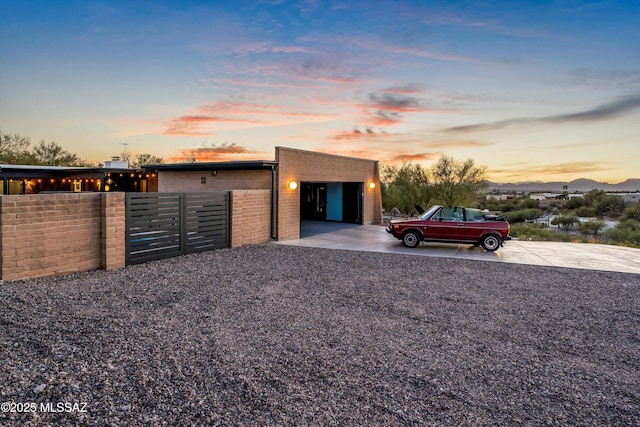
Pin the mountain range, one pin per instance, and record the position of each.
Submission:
(577, 185)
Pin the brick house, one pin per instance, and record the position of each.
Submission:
(301, 185)
(63, 220)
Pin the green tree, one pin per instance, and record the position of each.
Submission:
(574, 203)
(52, 154)
(457, 183)
(145, 159)
(593, 196)
(529, 203)
(632, 212)
(626, 232)
(404, 186)
(14, 149)
(565, 221)
(591, 227)
(585, 212)
(610, 205)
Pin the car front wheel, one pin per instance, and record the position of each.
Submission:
(411, 239)
(490, 242)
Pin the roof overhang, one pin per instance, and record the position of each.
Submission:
(209, 166)
(32, 171)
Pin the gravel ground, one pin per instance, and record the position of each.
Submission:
(278, 335)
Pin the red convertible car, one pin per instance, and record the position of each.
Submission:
(451, 225)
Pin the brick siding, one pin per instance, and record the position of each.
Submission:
(225, 180)
(250, 217)
(307, 166)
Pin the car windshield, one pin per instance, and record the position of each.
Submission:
(430, 212)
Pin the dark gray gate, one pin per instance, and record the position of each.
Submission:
(163, 225)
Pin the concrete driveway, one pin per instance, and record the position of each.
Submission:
(374, 238)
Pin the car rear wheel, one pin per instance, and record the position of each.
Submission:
(411, 239)
(491, 242)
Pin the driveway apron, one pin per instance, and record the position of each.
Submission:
(374, 238)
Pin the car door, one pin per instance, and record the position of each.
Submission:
(447, 224)
(476, 225)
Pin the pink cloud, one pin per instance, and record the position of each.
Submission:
(196, 125)
(356, 134)
(418, 157)
(224, 152)
(227, 115)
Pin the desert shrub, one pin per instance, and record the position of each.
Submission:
(626, 232)
(591, 227)
(539, 232)
(632, 212)
(522, 215)
(585, 212)
(574, 203)
(565, 221)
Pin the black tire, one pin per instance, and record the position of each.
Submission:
(491, 242)
(411, 239)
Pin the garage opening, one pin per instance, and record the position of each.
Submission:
(331, 201)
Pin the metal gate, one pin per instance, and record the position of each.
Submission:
(163, 225)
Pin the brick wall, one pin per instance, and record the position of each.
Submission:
(50, 234)
(113, 231)
(169, 181)
(250, 217)
(307, 166)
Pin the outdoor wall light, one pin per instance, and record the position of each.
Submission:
(293, 185)
(203, 180)
(372, 185)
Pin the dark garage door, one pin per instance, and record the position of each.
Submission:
(333, 201)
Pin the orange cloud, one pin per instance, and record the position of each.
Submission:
(186, 132)
(419, 157)
(226, 115)
(222, 153)
(519, 171)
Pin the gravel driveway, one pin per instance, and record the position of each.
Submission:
(278, 335)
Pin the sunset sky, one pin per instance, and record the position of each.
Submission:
(533, 90)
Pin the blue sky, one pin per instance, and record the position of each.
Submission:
(544, 90)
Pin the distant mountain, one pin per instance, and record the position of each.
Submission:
(579, 185)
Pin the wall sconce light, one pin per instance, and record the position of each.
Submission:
(214, 173)
(372, 185)
(203, 180)
(293, 185)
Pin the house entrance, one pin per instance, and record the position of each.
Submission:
(332, 201)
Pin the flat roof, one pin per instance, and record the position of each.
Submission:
(201, 166)
(42, 171)
(45, 168)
